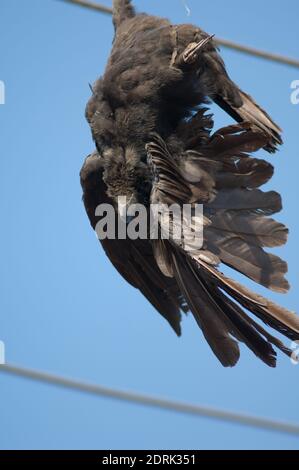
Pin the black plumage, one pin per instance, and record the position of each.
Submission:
(155, 145)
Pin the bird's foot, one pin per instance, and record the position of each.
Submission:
(191, 53)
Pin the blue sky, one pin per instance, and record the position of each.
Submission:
(64, 308)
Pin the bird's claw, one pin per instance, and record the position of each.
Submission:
(190, 55)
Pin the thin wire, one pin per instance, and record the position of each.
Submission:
(258, 53)
(91, 5)
(221, 42)
(151, 401)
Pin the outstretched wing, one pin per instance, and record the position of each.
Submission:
(236, 229)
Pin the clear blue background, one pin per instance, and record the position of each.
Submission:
(64, 309)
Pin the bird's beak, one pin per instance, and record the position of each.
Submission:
(124, 204)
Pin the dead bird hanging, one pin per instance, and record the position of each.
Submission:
(155, 144)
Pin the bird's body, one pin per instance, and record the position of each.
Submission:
(154, 146)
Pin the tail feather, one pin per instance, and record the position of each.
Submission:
(253, 331)
(244, 329)
(207, 313)
(279, 318)
(270, 338)
(221, 318)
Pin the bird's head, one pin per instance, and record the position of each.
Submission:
(126, 177)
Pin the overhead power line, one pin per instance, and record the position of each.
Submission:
(151, 401)
(91, 5)
(222, 42)
(258, 53)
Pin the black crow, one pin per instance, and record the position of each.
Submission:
(155, 145)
